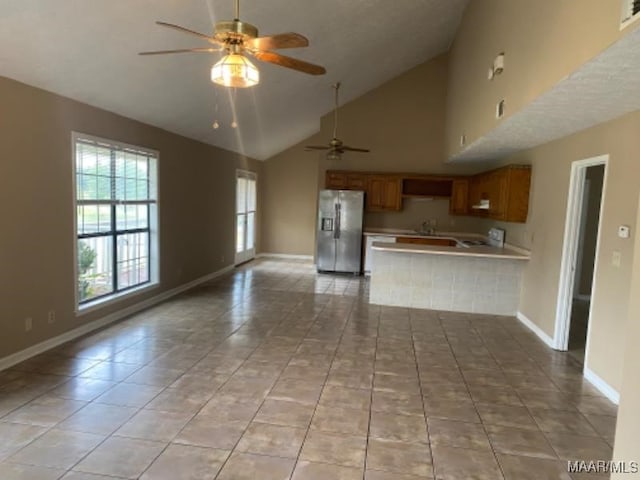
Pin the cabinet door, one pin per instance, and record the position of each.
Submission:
(459, 202)
(392, 198)
(335, 180)
(375, 192)
(478, 191)
(383, 193)
(355, 181)
(497, 185)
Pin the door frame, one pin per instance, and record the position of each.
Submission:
(570, 250)
(248, 254)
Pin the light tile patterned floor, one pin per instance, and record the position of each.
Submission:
(275, 372)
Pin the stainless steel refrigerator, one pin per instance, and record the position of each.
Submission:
(340, 231)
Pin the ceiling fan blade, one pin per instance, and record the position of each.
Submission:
(182, 50)
(280, 40)
(317, 147)
(353, 149)
(288, 62)
(186, 30)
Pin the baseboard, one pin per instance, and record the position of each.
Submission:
(285, 256)
(535, 329)
(53, 342)
(606, 389)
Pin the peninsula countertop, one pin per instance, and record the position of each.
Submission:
(484, 251)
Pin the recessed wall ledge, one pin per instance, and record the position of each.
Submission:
(610, 79)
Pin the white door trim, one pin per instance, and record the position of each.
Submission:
(570, 250)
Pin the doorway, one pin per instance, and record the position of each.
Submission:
(580, 252)
(245, 216)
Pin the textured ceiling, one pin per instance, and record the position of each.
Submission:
(600, 90)
(86, 50)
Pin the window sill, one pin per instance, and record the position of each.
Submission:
(629, 21)
(92, 306)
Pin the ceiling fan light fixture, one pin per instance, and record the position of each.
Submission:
(332, 155)
(235, 70)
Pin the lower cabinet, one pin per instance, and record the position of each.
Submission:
(445, 242)
(368, 254)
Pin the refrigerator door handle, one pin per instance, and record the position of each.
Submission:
(336, 230)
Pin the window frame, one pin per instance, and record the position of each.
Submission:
(114, 233)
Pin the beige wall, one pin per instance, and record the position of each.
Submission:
(544, 233)
(197, 189)
(544, 41)
(628, 428)
(402, 123)
(288, 200)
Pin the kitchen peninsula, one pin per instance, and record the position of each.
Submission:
(474, 279)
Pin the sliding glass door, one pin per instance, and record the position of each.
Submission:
(245, 216)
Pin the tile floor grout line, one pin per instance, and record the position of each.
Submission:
(262, 286)
(466, 383)
(141, 407)
(266, 396)
(324, 384)
(373, 384)
(424, 410)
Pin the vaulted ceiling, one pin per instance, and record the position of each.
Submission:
(87, 50)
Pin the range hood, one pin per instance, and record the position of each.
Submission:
(483, 205)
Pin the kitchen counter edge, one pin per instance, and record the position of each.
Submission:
(508, 252)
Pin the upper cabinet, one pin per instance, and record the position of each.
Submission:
(336, 180)
(459, 203)
(383, 193)
(501, 194)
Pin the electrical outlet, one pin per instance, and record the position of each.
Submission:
(616, 259)
(51, 317)
(28, 324)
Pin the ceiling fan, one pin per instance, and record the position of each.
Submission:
(336, 147)
(237, 39)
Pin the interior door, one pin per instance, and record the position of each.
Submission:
(245, 216)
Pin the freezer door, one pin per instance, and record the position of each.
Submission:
(326, 249)
(349, 249)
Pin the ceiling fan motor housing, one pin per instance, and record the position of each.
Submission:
(234, 32)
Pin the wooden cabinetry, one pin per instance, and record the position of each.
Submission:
(383, 193)
(446, 242)
(459, 202)
(505, 191)
(335, 180)
(501, 194)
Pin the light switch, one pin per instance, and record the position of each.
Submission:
(624, 231)
(616, 259)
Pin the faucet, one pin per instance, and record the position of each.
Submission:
(427, 228)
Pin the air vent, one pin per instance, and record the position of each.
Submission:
(630, 11)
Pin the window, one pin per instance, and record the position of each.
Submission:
(116, 218)
(630, 11)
